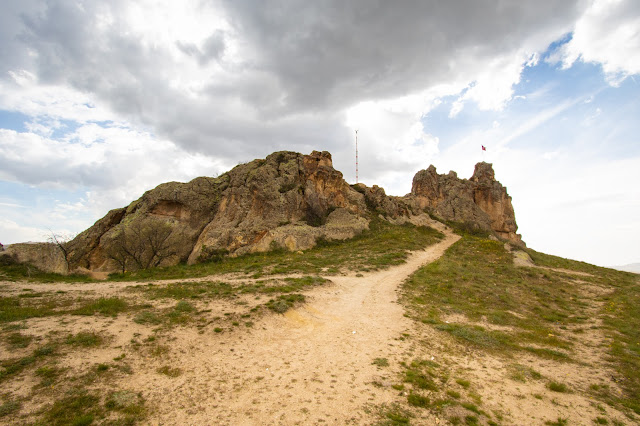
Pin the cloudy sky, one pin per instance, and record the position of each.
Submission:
(100, 101)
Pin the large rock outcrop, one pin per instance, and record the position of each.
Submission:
(287, 200)
(481, 201)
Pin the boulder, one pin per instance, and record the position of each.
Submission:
(45, 256)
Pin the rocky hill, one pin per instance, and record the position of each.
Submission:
(287, 200)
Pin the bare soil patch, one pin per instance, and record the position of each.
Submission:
(228, 364)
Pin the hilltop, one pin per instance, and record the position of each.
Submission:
(429, 311)
(287, 200)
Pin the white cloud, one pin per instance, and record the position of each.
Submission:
(13, 232)
(607, 34)
(116, 160)
(124, 95)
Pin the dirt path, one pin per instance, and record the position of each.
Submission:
(311, 365)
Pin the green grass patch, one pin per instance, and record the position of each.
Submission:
(381, 362)
(105, 306)
(147, 317)
(14, 271)
(129, 403)
(77, 407)
(48, 375)
(9, 407)
(464, 383)
(381, 246)
(557, 387)
(17, 309)
(395, 415)
(621, 315)
(214, 290)
(476, 277)
(11, 367)
(559, 422)
(86, 339)
(169, 371)
(418, 400)
(284, 302)
(18, 340)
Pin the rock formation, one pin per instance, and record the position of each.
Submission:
(287, 200)
(481, 201)
(44, 256)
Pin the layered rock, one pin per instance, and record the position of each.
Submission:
(481, 201)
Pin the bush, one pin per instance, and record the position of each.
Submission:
(212, 255)
(7, 260)
(418, 400)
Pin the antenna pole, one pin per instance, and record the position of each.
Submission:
(356, 156)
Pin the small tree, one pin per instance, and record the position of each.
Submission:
(62, 243)
(117, 251)
(143, 243)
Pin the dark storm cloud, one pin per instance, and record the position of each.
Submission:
(299, 65)
(334, 52)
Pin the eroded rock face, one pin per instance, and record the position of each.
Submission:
(287, 200)
(481, 201)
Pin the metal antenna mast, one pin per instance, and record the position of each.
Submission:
(356, 156)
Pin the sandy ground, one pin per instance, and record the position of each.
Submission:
(311, 365)
(314, 364)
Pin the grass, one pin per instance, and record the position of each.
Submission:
(48, 375)
(381, 246)
(105, 306)
(169, 371)
(18, 340)
(557, 387)
(219, 289)
(381, 362)
(77, 407)
(22, 308)
(80, 406)
(9, 407)
(476, 277)
(129, 403)
(86, 339)
(521, 373)
(418, 400)
(420, 378)
(464, 383)
(12, 271)
(284, 302)
(541, 312)
(559, 422)
(147, 317)
(18, 309)
(395, 415)
(14, 366)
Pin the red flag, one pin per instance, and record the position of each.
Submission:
(483, 148)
